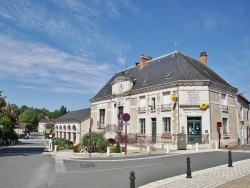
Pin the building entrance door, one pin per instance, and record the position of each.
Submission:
(194, 130)
(153, 120)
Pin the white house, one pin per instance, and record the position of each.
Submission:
(166, 96)
(73, 125)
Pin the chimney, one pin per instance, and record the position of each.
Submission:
(143, 60)
(203, 58)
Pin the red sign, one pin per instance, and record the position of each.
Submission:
(125, 117)
(219, 124)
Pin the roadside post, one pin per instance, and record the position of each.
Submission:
(126, 118)
(230, 163)
(219, 125)
(132, 179)
(90, 138)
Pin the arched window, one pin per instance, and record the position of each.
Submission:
(57, 127)
(74, 128)
(69, 128)
(60, 127)
(64, 127)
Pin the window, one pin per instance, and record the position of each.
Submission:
(143, 126)
(225, 128)
(167, 124)
(119, 116)
(142, 105)
(153, 103)
(224, 101)
(241, 114)
(102, 117)
(166, 100)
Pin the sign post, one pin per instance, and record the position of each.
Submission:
(218, 129)
(126, 118)
(90, 139)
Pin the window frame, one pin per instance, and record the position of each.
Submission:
(166, 124)
(142, 125)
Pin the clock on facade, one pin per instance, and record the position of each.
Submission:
(121, 87)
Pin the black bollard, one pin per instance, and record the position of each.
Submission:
(188, 168)
(230, 159)
(132, 179)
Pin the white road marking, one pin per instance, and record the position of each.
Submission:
(107, 169)
(60, 167)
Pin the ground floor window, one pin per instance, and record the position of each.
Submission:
(167, 124)
(224, 125)
(142, 126)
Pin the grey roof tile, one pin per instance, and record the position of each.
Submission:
(180, 66)
(79, 115)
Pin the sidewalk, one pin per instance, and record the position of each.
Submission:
(220, 176)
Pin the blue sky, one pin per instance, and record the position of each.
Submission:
(62, 52)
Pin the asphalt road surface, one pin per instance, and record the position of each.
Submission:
(30, 165)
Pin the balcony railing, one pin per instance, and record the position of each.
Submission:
(142, 109)
(224, 107)
(165, 107)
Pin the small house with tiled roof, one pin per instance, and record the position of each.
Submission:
(73, 125)
(169, 96)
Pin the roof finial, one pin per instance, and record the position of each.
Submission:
(175, 46)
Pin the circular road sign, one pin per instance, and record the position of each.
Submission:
(125, 117)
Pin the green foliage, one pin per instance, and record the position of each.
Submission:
(63, 143)
(99, 143)
(7, 130)
(40, 116)
(117, 148)
(29, 117)
(112, 149)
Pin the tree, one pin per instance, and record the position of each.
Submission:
(40, 116)
(23, 108)
(54, 115)
(63, 110)
(29, 117)
(99, 143)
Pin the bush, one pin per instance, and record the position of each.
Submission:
(112, 149)
(63, 143)
(117, 148)
(99, 143)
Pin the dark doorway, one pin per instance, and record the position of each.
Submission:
(194, 130)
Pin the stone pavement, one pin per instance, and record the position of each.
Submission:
(220, 176)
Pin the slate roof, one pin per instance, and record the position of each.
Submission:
(176, 66)
(79, 115)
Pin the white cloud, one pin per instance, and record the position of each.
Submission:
(40, 64)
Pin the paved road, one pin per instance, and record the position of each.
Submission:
(26, 165)
(107, 173)
(30, 165)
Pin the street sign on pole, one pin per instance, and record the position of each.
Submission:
(126, 118)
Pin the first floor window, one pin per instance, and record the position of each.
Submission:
(102, 117)
(225, 128)
(167, 124)
(143, 126)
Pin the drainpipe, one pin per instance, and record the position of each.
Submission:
(210, 119)
(178, 100)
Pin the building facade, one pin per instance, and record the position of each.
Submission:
(243, 120)
(166, 96)
(73, 125)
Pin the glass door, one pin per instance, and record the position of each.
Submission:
(153, 130)
(194, 130)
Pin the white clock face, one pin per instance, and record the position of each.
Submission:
(121, 87)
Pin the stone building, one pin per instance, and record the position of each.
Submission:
(166, 96)
(73, 125)
(243, 120)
